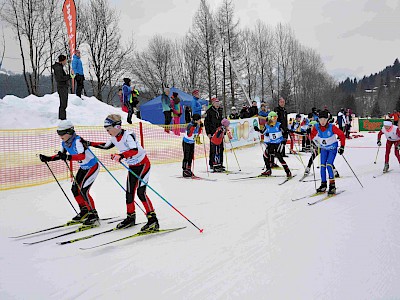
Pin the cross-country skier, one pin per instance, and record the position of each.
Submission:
(216, 145)
(275, 142)
(315, 152)
(135, 156)
(193, 130)
(392, 133)
(73, 148)
(324, 134)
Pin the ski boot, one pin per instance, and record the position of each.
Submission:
(307, 171)
(289, 174)
(266, 173)
(128, 222)
(82, 214)
(152, 222)
(187, 173)
(322, 188)
(386, 168)
(332, 187)
(217, 169)
(92, 218)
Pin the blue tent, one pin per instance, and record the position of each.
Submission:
(152, 110)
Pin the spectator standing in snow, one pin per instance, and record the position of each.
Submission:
(77, 72)
(166, 106)
(196, 105)
(62, 80)
(176, 106)
(282, 119)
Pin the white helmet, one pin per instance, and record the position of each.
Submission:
(64, 127)
(65, 124)
(233, 108)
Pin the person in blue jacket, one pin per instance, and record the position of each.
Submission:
(77, 71)
(196, 105)
(166, 107)
(74, 148)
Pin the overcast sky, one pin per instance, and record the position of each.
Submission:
(354, 37)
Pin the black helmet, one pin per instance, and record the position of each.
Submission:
(324, 114)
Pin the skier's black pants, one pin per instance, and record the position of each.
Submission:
(79, 84)
(134, 185)
(216, 155)
(271, 151)
(168, 117)
(84, 181)
(63, 94)
(188, 153)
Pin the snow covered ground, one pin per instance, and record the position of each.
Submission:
(256, 244)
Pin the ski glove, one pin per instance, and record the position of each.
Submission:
(379, 143)
(117, 157)
(63, 156)
(256, 128)
(72, 76)
(44, 158)
(341, 150)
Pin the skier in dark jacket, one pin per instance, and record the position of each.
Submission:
(211, 123)
(62, 80)
(282, 118)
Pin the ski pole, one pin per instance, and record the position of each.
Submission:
(313, 166)
(79, 188)
(141, 180)
(298, 154)
(226, 156)
(376, 158)
(60, 186)
(234, 153)
(205, 155)
(113, 176)
(352, 170)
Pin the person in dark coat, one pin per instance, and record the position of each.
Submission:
(62, 80)
(211, 123)
(282, 118)
(253, 110)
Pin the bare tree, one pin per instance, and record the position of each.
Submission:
(153, 66)
(229, 31)
(2, 49)
(107, 56)
(29, 21)
(203, 37)
(250, 62)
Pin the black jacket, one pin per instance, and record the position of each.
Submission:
(253, 111)
(213, 120)
(282, 118)
(60, 76)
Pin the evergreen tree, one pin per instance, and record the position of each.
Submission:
(398, 105)
(376, 111)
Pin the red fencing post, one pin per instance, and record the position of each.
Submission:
(141, 134)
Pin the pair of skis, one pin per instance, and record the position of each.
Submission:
(326, 197)
(263, 176)
(87, 227)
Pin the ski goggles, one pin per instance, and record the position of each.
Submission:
(64, 131)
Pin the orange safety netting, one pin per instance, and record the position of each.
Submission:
(19, 149)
